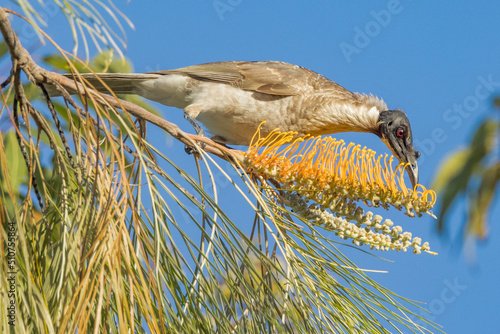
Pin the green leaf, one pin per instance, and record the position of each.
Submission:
(3, 49)
(105, 62)
(484, 138)
(15, 160)
(496, 102)
(449, 168)
(60, 63)
(481, 145)
(481, 202)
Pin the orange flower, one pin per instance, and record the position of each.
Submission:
(328, 169)
(319, 174)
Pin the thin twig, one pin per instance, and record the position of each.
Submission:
(58, 125)
(38, 75)
(22, 147)
(6, 82)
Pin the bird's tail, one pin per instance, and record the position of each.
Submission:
(119, 83)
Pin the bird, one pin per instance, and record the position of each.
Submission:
(232, 98)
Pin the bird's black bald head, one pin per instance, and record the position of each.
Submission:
(395, 131)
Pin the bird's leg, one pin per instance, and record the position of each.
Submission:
(194, 123)
(197, 128)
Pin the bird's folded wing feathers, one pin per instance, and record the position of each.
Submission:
(268, 77)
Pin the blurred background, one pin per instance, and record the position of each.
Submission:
(437, 61)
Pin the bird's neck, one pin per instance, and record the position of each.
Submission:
(360, 114)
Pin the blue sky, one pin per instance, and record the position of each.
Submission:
(439, 61)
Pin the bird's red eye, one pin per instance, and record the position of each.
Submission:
(401, 133)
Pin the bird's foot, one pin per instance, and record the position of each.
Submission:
(194, 124)
(189, 149)
(199, 131)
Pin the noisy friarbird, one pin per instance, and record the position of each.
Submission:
(232, 98)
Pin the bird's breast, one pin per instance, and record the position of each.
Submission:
(235, 114)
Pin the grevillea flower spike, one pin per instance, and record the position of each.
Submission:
(319, 174)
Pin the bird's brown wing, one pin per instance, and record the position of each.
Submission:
(268, 77)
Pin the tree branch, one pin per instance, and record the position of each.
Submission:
(21, 59)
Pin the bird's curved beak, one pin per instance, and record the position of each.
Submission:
(412, 170)
(406, 155)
